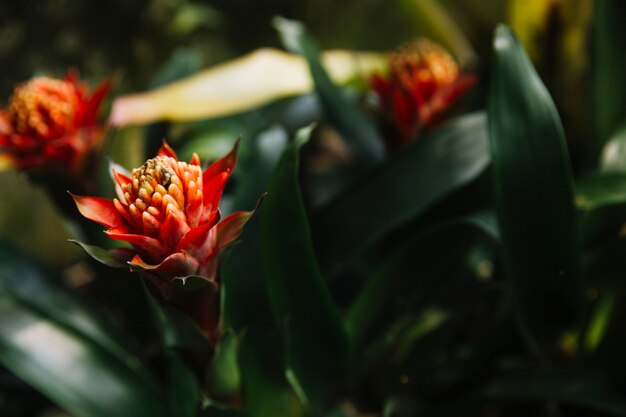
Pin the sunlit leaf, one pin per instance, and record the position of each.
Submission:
(599, 322)
(613, 156)
(238, 85)
(601, 189)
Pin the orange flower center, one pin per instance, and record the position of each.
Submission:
(424, 61)
(162, 186)
(43, 106)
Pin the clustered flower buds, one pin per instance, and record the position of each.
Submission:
(168, 211)
(51, 123)
(423, 82)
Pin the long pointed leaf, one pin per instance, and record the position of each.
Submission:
(534, 196)
(67, 357)
(317, 343)
(608, 65)
(359, 132)
(405, 186)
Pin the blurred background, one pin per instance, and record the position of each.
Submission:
(147, 43)
(143, 44)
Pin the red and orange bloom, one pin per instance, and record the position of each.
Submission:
(52, 123)
(423, 82)
(167, 210)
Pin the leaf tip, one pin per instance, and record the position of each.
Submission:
(290, 32)
(503, 37)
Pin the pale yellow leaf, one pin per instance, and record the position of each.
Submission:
(239, 85)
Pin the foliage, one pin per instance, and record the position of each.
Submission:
(476, 270)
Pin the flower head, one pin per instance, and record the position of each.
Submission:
(423, 82)
(51, 123)
(168, 211)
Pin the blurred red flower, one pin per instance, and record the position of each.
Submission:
(423, 82)
(52, 123)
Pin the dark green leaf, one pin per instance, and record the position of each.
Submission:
(406, 185)
(593, 391)
(175, 328)
(243, 281)
(360, 132)
(20, 275)
(183, 390)
(199, 298)
(255, 165)
(48, 338)
(608, 66)
(383, 282)
(215, 411)
(317, 344)
(265, 389)
(101, 255)
(534, 196)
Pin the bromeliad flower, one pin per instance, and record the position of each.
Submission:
(167, 210)
(52, 124)
(424, 81)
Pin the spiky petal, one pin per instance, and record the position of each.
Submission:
(168, 211)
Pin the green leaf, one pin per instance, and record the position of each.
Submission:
(359, 132)
(176, 329)
(199, 299)
(216, 411)
(608, 65)
(317, 344)
(534, 197)
(600, 189)
(594, 391)
(101, 255)
(180, 339)
(22, 276)
(384, 281)
(223, 377)
(256, 163)
(265, 388)
(49, 339)
(402, 188)
(599, 321)
(183, 389)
